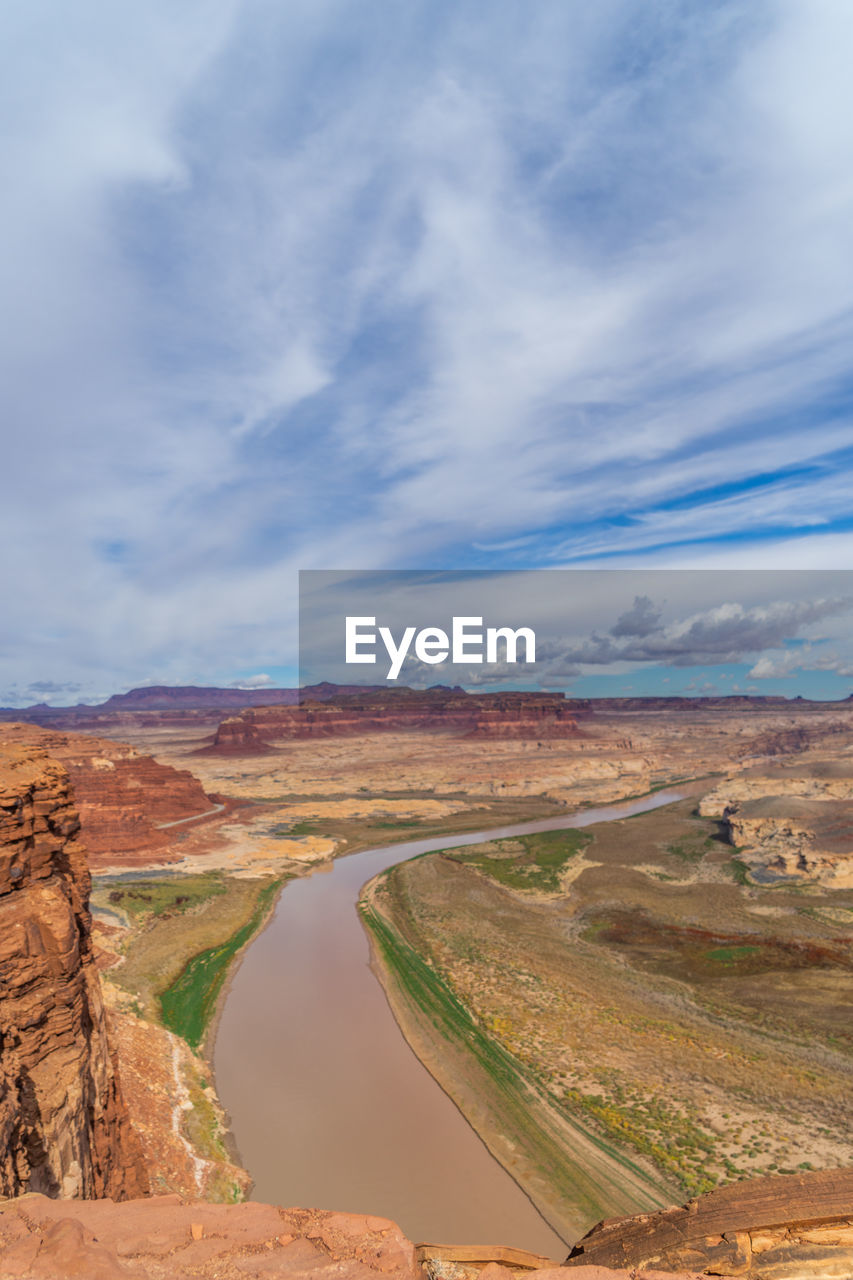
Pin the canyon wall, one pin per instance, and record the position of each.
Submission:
(127, 801)
(64, 1130)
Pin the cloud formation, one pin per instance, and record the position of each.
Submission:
(309, 285)
(727, 633)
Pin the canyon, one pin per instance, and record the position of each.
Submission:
(293, 801)
(128, 802)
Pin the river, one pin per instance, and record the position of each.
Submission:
(329, 1106)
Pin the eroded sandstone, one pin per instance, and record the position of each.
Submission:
(64, 1129)
(794, 1228)
(791, 821)
(131, 806)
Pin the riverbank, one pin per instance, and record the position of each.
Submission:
(183, 933)
(650, 996)
(571, 1175)
(306, 1019)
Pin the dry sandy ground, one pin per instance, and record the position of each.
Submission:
(700, 1022)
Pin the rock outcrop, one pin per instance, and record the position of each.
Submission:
(790, 822)
(64, 1130)
(162, 1238)
(780, 1228)
(128, 802)
(238, 736)
(793, 1228)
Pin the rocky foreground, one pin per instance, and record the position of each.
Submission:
(766, 1229)
(164, 1239)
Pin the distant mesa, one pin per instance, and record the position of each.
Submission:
(156, 698)
(191, 700)
(237, 736)
(206, 704)
(487, 715)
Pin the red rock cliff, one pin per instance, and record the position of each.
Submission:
(64, 1130)
(124, 797)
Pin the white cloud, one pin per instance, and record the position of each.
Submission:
(303, 285)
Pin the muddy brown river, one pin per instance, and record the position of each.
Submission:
(329, 1106)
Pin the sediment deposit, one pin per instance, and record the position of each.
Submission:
(685, 1016)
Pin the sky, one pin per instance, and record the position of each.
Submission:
(595, 632)
(369, 285)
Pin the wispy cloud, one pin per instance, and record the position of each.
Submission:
(315, 284)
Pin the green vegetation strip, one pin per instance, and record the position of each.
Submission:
(537, 864)
(170, 894)
(188, 1005)
(511, 1091)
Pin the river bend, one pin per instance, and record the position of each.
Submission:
(329, 1106)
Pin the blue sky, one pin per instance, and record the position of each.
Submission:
(377, 285)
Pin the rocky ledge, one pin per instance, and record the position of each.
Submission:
(790, 822)
(797, 1227)
(164, 1238)
(777, 1228)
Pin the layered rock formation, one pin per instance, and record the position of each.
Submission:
(128, 802)
(793, 1228)
(238, 736)
(501, 715)
(64, 1129)
(790, 821)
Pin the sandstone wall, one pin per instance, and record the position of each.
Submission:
(64, 1130)
(123, 796)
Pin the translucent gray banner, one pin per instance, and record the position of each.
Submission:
(588, 632)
